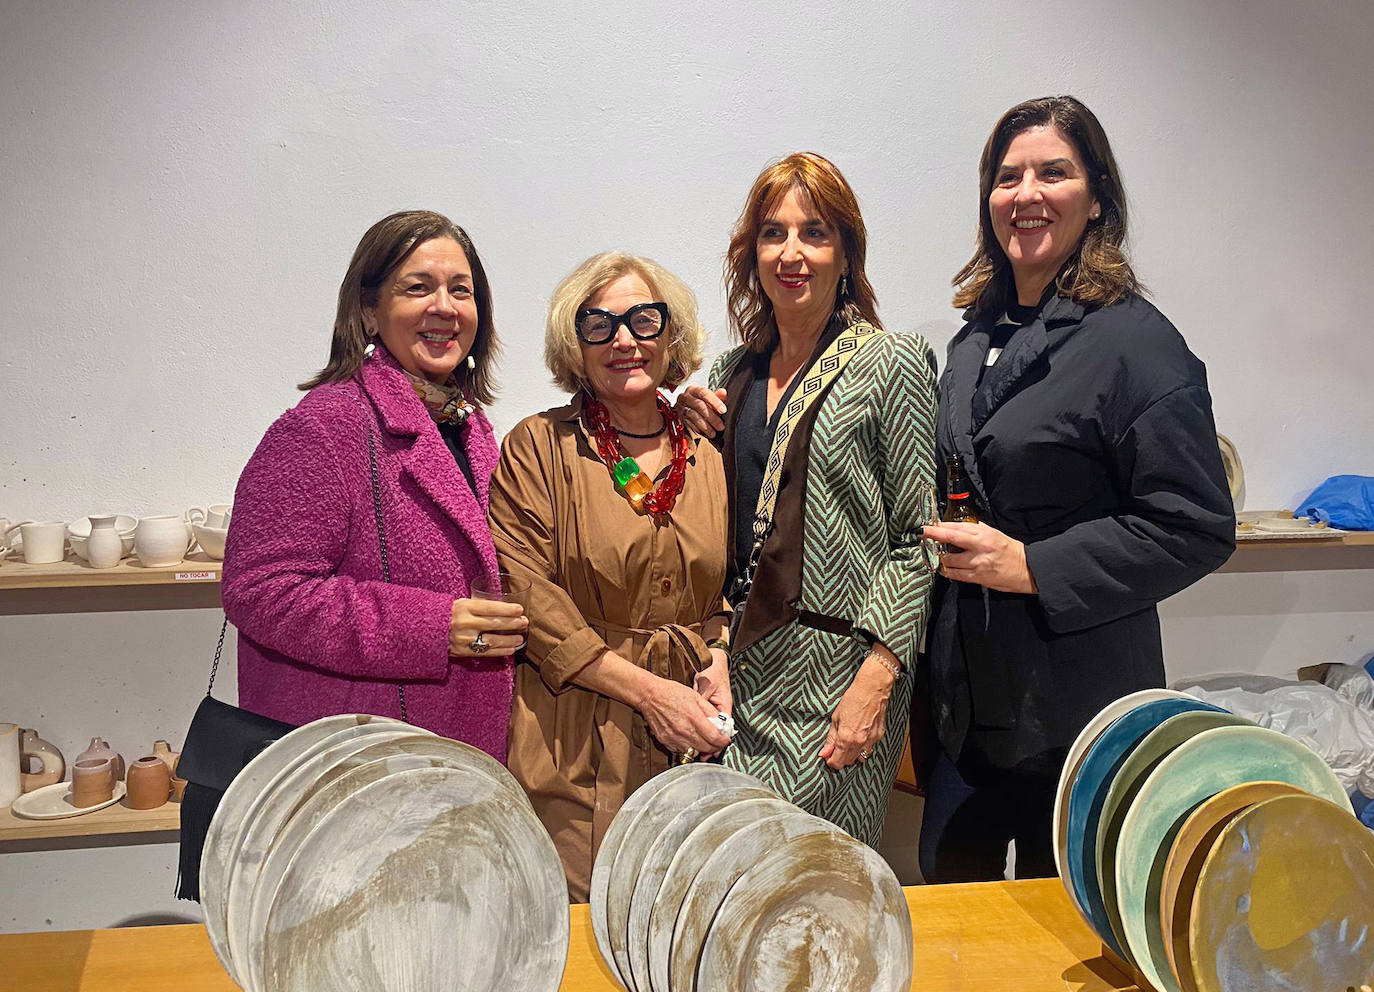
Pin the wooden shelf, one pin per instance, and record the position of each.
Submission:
(116, 819)
(1302, 554)
(197, 569)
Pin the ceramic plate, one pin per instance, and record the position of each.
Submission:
(1197, 770)
(822, 912)
(691, 854)
(1124, 786)
(656, 862)
(736, 854)
(1088, 794)
(427, 879)
(1285, 900)
(377, 757)
(605, 858)
(53, 802)
(649, 822)
(242, 793)
(1192, 844)
(1074, 760)
(259, 829)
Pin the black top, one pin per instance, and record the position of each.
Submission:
(754, 433)
(1091, 440)
(452, 433)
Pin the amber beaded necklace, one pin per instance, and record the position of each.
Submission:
(630, 480)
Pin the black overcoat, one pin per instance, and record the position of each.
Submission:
(1092, 441)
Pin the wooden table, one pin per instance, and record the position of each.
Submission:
(1009, 935)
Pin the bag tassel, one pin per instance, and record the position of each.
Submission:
(198, 807)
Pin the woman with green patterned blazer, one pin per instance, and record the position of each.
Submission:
(826, 424)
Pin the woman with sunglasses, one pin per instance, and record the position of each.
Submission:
(617, 516)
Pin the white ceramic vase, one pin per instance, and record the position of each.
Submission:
(104, 547)
(10, 787)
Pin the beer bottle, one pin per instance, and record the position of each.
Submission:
(959, 505)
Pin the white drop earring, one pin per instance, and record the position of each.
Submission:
(472, 363)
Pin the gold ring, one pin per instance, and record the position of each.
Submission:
(865, 755)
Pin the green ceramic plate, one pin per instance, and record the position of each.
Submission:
(1197, 770)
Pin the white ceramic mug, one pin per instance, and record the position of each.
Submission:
(217, 515)
(194, 515)
(8, 532)
(162, 540)
(44, 543)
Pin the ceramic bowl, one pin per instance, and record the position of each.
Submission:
(211, 540)
(79, 530)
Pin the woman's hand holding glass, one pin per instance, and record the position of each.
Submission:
(987, 557)
(702, 410)
(486, 626)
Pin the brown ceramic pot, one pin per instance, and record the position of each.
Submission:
(92, 781)
(52, 766)
(99, 749)
(149, 781)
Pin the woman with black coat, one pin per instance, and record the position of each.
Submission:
(1084, 426)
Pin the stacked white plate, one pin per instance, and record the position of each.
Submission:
(361, 852)
(707, 880)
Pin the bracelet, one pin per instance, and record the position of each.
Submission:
(719, 642)
(892, 669)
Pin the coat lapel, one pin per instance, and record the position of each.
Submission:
(426, 459)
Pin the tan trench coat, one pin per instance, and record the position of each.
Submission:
(603, 577)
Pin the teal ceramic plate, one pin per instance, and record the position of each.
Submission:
(1197, 770)
(1156, 745)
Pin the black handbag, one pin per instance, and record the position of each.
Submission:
(222, 739)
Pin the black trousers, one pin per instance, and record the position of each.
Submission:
(973, 811)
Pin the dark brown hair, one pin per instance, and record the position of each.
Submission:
(751, 312)
(386, 245)
(1097, 271)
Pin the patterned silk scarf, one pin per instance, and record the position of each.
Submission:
(444, 401)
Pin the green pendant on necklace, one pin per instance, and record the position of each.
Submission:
(632, 481)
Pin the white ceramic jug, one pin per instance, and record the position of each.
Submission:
(104, 547)
(162, 540)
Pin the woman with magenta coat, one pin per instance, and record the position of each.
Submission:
(388, 445)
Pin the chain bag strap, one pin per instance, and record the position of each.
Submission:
(813, 386)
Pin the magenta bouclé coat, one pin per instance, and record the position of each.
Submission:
(319, 631)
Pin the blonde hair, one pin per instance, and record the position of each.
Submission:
(562, 349)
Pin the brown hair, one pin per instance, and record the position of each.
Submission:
(1097, 271)
(382, 249)
(563, 352)
(751, 312)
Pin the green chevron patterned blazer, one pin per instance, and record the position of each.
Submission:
(844, 565)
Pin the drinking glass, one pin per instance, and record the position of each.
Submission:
(506, 588)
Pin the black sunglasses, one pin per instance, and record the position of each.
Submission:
(645, 321)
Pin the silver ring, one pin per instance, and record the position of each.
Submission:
(479, 645)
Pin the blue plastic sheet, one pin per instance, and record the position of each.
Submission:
(1344, 501)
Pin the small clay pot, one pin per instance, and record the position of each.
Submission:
(150, 782)
(163, 750)
(92, 782)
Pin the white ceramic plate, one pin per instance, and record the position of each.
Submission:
(243, 793)
(821, 913)
(53, 802)
(1104, 719)
(377, 759)
(427, 879)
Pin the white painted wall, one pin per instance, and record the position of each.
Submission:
(183, 185)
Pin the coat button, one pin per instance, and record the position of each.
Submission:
(667, 586)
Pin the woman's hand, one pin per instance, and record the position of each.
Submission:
(490, 618)
(860, 721)
(703, 410)
(986, 557)
(681, 718)
(713, 682)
